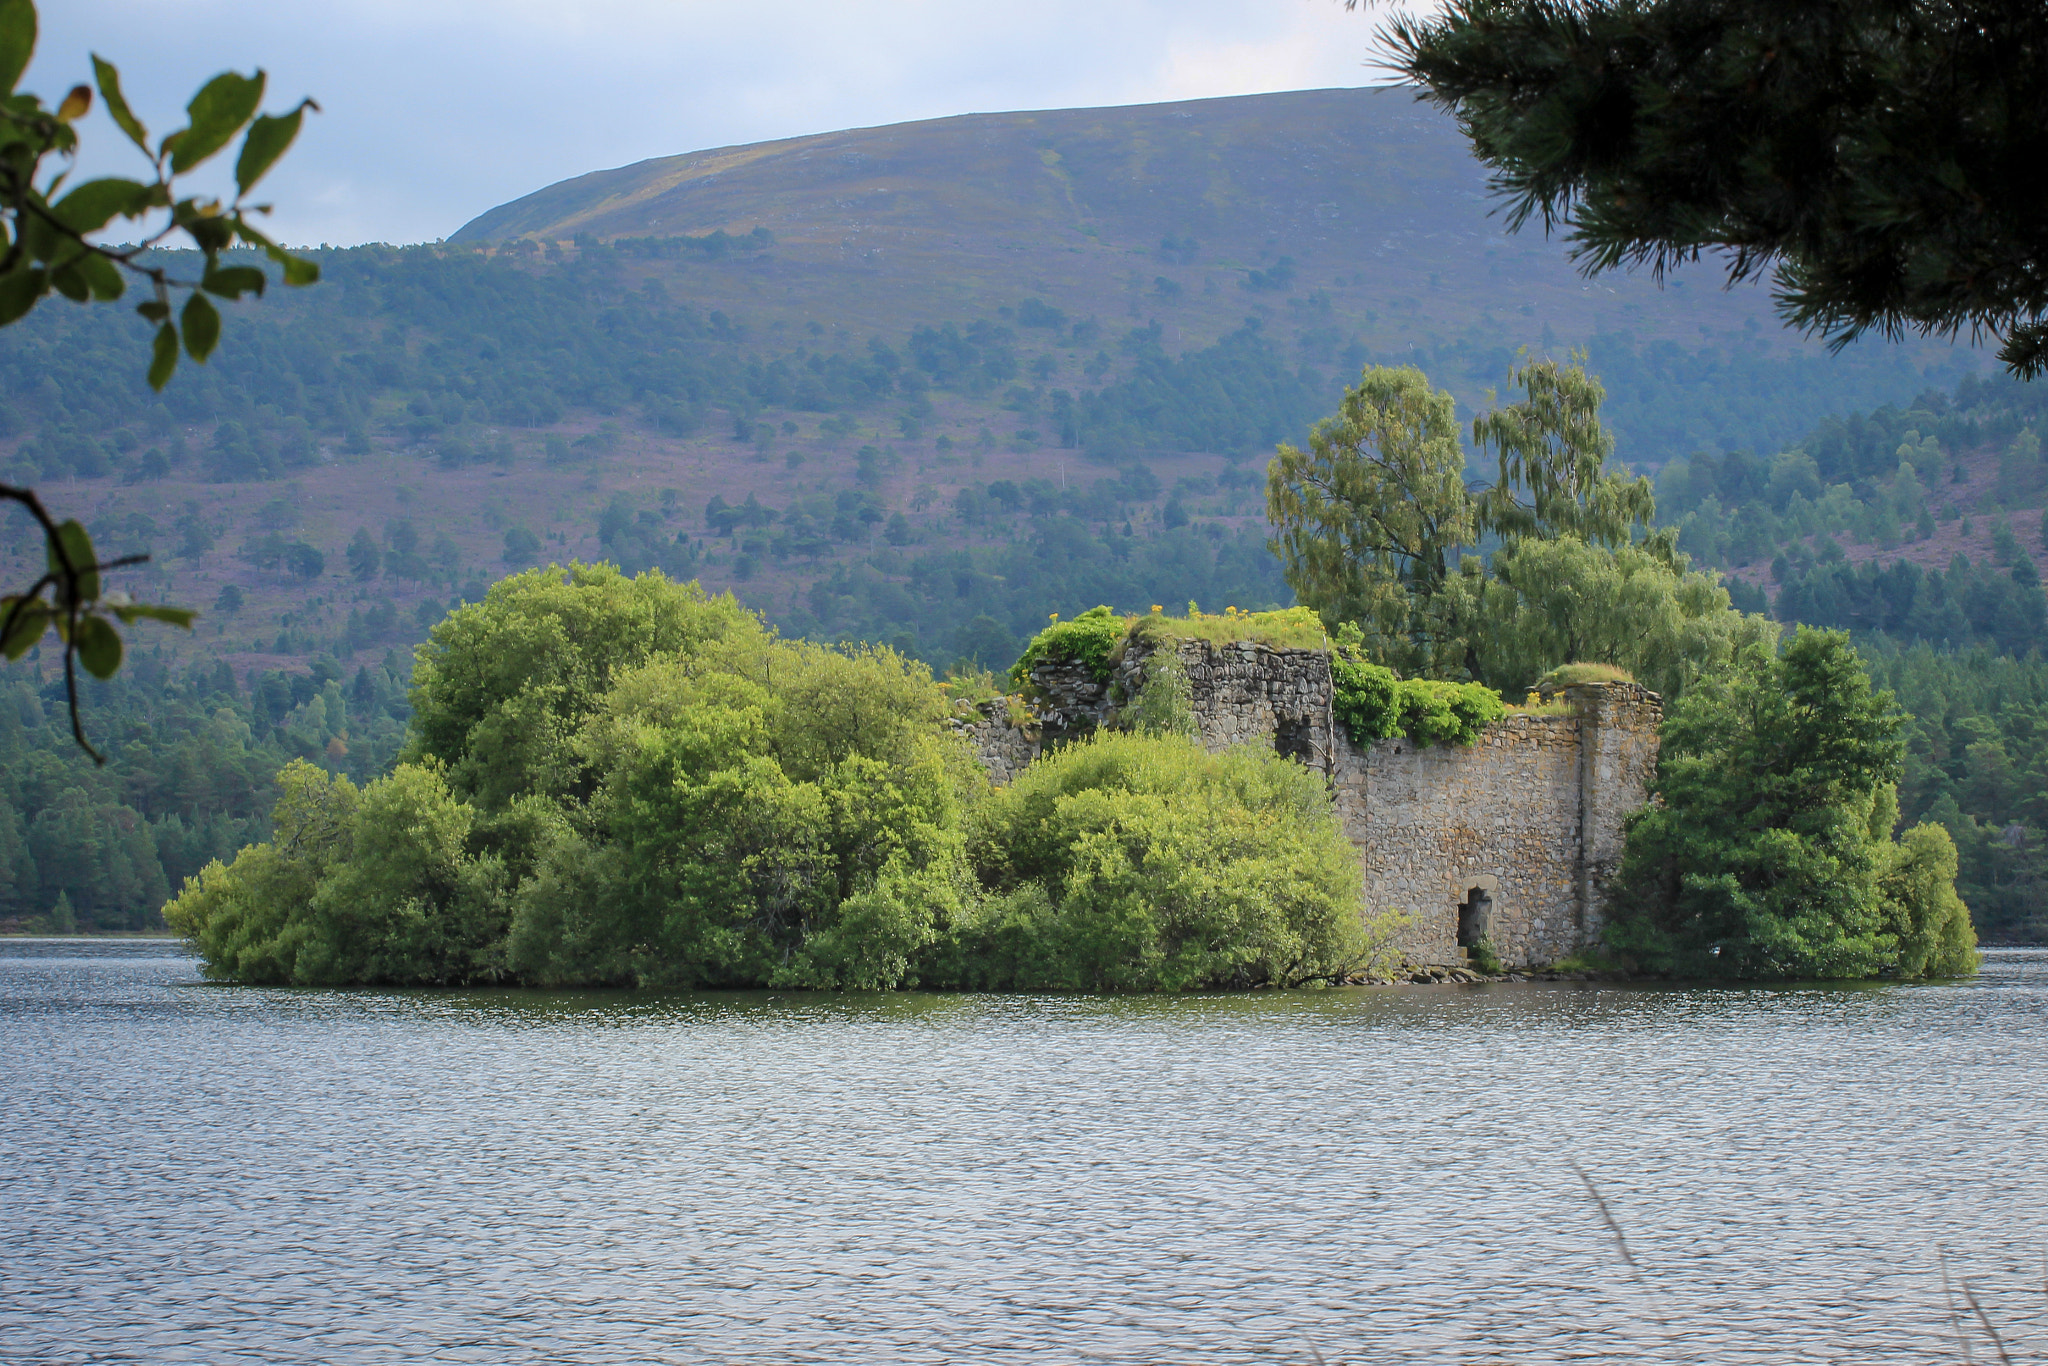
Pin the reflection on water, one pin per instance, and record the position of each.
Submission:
(198, 1173)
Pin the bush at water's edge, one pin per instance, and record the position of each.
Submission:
(628, 782)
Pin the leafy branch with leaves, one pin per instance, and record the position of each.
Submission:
(47, 246)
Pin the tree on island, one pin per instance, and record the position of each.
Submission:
(1879, 160)
(47, 246)
(1376, 529)
(1768, 850)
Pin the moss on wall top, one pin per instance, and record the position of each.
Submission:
(1287, 628)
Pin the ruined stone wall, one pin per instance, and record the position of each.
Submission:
(1246, 693)
(1530, 817)
(1003, 745)
(1434, 823)
(1617, 760)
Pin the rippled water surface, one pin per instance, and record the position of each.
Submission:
(201, 1173)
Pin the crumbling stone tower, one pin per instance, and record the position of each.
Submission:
(1511, 840)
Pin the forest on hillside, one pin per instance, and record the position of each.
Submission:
(437, 349)
(1904, 526)
(869, 513)
(440, 368)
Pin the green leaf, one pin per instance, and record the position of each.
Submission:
(268, 138)
(99, 646)
(94, 204)
(201, 325)
(156, 310)
(70, 281)
(102, 277)
(28, 627)
(117, 104)
(38, 239)
(138, 611)
(77, 544)
(297, 270)
(218, 112)
(17, 40)
(163, 359)
(211, 234)
(232, 282)
(19, 290)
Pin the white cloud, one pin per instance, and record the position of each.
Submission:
(436, 110)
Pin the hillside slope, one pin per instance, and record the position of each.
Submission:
(1369, 194)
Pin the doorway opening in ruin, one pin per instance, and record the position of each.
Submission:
(1475, 917)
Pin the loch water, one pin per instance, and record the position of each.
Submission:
(198, 1173)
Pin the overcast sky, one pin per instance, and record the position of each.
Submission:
(436, 110)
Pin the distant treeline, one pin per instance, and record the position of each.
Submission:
(982, 604)
(191, 758)
(1887, 477)
(1977, 763)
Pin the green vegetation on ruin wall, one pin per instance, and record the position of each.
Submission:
(1295, 628)
(1372, 704)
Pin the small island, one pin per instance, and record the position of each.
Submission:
(631, 782)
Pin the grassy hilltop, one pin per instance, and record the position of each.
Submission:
(1373, 198)
(1177, 211)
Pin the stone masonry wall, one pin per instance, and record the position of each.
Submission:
(1246, 693)
(1434, 823)
(1529, 818)
(1617, 760)
(1003, 746)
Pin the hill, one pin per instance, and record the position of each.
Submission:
(921, 385)
(1350, 222)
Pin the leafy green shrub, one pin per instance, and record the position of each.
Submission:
(1366, 698)
(968, 685)
(1088, 639)
(1165, 704)
(1936, 938)
(1484, 959)
(1770, 852)
(781, 814)
(240, 915)
(1436, 713)
(1142, 863)
(501, 686)
(1372, 705)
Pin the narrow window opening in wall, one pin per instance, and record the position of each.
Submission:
(1294, 738)
(1475, 917)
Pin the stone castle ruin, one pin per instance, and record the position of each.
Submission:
(1510, 840)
